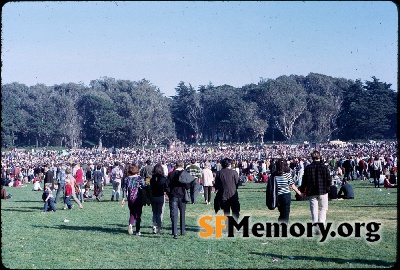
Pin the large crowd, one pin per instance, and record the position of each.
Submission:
(24, 165)
(75, 172)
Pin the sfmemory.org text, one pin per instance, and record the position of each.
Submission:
(368, 230)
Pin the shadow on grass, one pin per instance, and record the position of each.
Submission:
(24, 209)
(115, 228)
(330, 259)
(375, 205)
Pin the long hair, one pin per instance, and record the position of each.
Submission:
(158, 170)
(281, 166)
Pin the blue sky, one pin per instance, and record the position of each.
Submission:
(234, 43)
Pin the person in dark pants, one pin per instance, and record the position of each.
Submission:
(48, 176)
(195, 171)
(346, 190)
(157, 185)
(284, 182)
(61, 176)
(175, 191)
(227, 182)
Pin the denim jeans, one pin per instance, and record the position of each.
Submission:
(174, 205)
(80, 195)
(158, 208)
(67, 201)
(61, 186)
(284, 201)
(194, 190)
(49, 205)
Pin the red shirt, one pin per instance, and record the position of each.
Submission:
(79, 176)
(68, 189)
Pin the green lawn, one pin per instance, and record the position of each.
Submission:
(96, 236)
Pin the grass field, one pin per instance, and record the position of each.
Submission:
(96, 236)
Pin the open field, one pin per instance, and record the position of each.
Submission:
(96, 237)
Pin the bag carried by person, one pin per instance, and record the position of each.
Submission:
(271, 194)
(186, 178)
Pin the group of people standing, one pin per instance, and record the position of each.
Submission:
(169, 185)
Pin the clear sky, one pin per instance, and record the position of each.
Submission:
(234, 43)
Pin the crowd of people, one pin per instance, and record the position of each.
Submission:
(152, 176)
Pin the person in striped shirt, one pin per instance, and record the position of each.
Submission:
(285, 184)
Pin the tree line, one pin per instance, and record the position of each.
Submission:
(120, 113)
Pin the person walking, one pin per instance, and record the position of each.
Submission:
(316, 180)
(175, 191)
(157, 185)
(98, 178)
(195, 171)
(71, 180)
(284, 182)
(79, 180)
(227, 182)
(61, 175)
(133, 183)
(117, 175)
(208, 182)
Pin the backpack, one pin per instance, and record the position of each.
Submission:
(185, 177)
(271, 195)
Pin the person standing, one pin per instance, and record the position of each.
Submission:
(316, 180)
(133, 183)
(48, 176)
(157, 185)
(61, 176)
(79, 180)
(227, 182)
(284, 182)
(98, 178)
(208, 182)
(195, 171)
(48, 199)
(175, 191)
(147, 171)
(117, 175)
(377, 167)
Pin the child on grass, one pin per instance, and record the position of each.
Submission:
(68, 195)
(48, 199)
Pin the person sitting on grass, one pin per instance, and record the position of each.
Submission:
(346, 190)
(4, 192)
(333, 193)
(387, 183)
(36, 185)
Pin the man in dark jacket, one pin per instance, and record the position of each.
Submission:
(175, 191)
(315, 183)
(226, 182)
(346, 190)
(48, 176)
